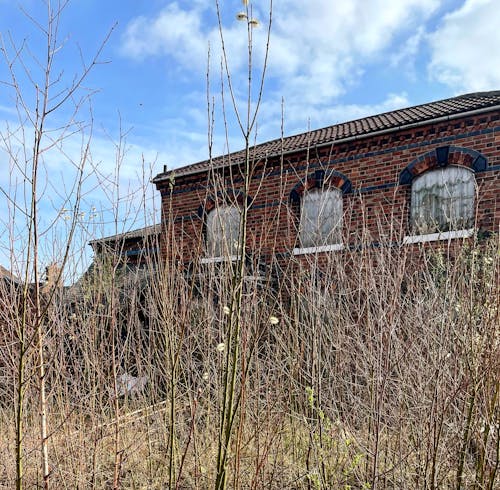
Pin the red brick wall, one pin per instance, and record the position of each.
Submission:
(376, 209)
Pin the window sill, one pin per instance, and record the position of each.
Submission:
(434, 237)
(323, 248)
(216, 260)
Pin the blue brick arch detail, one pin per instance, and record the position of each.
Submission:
(316, 180)
(230, 196)
(438, 158)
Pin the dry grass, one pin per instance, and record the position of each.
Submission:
(381, 373)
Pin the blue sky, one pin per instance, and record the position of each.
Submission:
(328, 62)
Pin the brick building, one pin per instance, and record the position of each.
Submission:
(134, 248)
(427, 173)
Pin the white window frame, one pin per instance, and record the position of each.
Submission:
(322, 248)
(434, 237)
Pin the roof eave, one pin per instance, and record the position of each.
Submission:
(149, 231)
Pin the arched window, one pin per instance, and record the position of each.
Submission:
(321, 215)
(318, 203)
(222, 227)
(442, 200)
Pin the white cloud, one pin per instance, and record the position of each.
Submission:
(318, 48)
(465, 52)
(330, 44)
(183, 35)
(174, 31)
(406, 55)
(8, 110)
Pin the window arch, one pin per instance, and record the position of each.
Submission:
(442, 199)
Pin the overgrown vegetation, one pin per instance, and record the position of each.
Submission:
(379, 372)
(374, 368)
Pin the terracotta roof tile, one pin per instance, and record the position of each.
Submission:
(364, 127)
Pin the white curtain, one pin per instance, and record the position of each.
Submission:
(223, 225)
(443, 200)
(321, 218)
